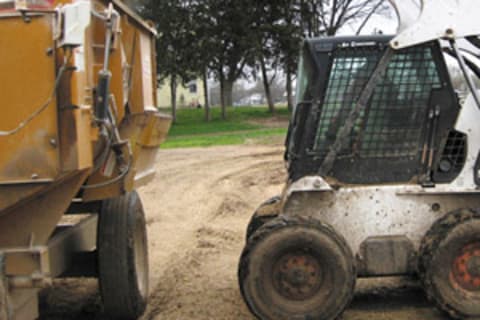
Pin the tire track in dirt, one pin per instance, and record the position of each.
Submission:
(218, 241)
(203, 283)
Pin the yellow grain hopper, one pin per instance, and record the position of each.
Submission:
(79, 131)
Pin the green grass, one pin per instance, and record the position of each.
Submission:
(243, 125)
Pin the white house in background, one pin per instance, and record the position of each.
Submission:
(189, 95)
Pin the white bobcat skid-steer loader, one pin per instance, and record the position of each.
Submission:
(384, 172)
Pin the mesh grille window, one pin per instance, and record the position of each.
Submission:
(454, 153)
(392, 123)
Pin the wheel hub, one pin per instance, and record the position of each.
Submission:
(297, 276)
(140, 259)
(466, 268)
(473, 266)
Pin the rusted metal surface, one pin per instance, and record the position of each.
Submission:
(297, 275)
(466, 268)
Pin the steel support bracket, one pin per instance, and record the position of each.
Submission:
(27, 267)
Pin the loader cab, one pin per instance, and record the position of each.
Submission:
(404, 134)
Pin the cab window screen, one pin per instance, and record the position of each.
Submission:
(392, 123)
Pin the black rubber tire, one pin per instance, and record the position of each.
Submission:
(123, 257)
(259, 220)
(440, 247)
(277, 239)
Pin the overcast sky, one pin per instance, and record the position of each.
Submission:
(387, 23)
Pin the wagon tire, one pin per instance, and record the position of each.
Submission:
(123, 257)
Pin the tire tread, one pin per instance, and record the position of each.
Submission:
(117, 274)
(283, 222)
(430, 243)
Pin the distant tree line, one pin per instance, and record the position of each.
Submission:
(232, 39)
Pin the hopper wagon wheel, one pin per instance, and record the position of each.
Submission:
(123, 257)
(296, 268)
(449, 264)
(259, 218)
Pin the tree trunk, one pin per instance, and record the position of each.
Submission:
(208, 116)
(222, 95)
(227, 92)
(289, 91)
(173, 96)
(266, 85)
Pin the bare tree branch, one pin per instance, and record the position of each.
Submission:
(367, 18)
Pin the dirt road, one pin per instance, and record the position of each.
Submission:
(197, 211)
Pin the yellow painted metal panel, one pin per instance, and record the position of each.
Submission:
(64, 139)
(27, 77)
(32, 221)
